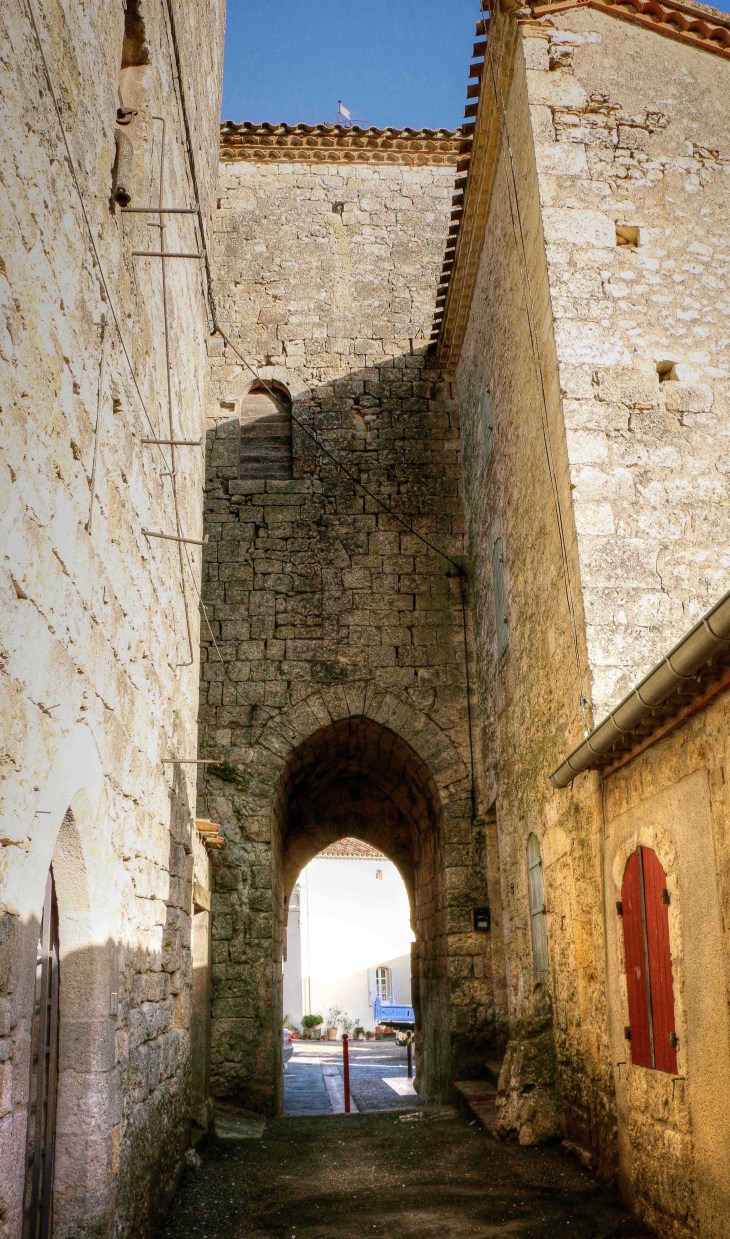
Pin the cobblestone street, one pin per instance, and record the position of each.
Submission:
(404, 1176)
(378, 1078)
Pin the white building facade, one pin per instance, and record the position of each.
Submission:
(348, 936)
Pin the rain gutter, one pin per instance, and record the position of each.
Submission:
(681, 663)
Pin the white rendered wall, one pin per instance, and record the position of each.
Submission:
(292, 987)
(350, 922)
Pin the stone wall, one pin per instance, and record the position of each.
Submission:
(674, 1133)
(333, 678)
(612, 235)
(632, 132)
(98, 624)
(530, 694)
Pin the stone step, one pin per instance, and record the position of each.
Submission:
(493, 1071)
(477, 1098)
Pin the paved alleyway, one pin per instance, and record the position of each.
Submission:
(402, 1176)
(378, 1078)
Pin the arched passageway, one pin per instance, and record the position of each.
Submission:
(358, 778)
(301, 788)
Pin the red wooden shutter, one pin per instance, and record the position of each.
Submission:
(648, 962)
(637, 977)
(660, 962)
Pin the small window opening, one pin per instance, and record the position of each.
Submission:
(666, 371)
(135, 54)
(135, 49)
(378, 875)
(538, 911)
(628, 235)
(266, 434)
(338, 208)
(382, 984)
(131, 91)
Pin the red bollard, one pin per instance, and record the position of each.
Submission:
(346, 1069)
(410, 1058)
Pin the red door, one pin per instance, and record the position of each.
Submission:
(648, 962)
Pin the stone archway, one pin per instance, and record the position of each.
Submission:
(345, 762)
(356, 777)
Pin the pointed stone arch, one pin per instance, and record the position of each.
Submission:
(346, 760)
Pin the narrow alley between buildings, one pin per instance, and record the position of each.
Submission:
(405, 1174)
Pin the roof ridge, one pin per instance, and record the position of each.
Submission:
(283, 127)
(266, 142)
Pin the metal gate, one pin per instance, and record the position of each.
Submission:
(38, 1198)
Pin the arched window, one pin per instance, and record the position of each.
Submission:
(644, 906)
(266, 446)
(538, 920)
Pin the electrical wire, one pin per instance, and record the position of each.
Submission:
(342, 467)
(218, 330)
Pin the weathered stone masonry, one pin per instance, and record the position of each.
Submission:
(338, 660)
(98, 678)
(619, 140)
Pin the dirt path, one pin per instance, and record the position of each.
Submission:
(398, 1176)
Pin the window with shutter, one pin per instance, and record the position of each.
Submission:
(266, 434)
(486, 421)
(382, 984)
(649, 981)
(536, 892)
(500, 606)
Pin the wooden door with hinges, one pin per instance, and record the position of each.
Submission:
(649, 981)
(38, 1198)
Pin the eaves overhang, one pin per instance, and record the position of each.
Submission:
(269, 143)
(695, 24)
(489, 80)
(694, 672)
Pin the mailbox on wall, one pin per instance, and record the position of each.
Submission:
(482, 919)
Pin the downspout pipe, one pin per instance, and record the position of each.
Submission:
(681, 663)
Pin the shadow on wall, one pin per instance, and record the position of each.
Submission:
(336, 693)
(120, 1036)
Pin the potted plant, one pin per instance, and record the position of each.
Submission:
(334, 1017)
(310, 1024)
(346, 1024)
(370, 1035)
(358, 1032)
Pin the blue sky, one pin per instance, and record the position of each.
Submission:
(391, 62)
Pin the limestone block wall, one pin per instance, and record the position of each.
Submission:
(99, 664)
(327, 619)
(615, 135)
(674, 1135)
(530, 693)
(632, 142)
